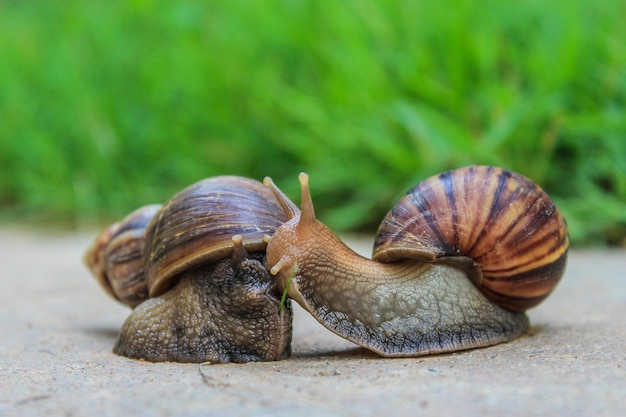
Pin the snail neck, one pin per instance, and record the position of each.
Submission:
(304, 253)
(308, 254)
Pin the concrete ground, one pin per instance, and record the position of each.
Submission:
(58, 328)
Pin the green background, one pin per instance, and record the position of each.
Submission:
(109, 105)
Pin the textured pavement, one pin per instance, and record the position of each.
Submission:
(57, 329)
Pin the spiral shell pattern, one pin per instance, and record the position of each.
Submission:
(116, 257)
(197, 226)
(508, 226)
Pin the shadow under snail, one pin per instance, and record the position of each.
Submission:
(456, 263)
(193, 272)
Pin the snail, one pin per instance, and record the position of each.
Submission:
(455, 264)
(193, 272)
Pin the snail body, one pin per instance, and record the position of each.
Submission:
(204, 293)
(456, 264)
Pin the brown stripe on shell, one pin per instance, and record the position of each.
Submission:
(125, 267)
(116, 257)
(197, 226)
(532, 285)
(544, 250)
(500, 219)
(95, 257)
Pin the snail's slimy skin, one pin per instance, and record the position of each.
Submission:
(435, 311)
(220, 312)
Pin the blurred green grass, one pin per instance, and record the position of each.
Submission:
(108, 105)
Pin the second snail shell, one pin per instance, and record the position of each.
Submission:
(504, 223)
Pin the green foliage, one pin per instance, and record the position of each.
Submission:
(108, 105)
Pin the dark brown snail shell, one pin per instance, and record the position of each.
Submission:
(116, 257)
(508, 226)
(197, 225)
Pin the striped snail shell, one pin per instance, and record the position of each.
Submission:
(504, 223)
(116, 257)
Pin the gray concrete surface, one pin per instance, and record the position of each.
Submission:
(58, 327)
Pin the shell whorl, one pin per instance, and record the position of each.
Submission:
(509, 227)
(116, 257)
(197, 226)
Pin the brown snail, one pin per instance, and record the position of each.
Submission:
(456, 263)
(194, 272)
